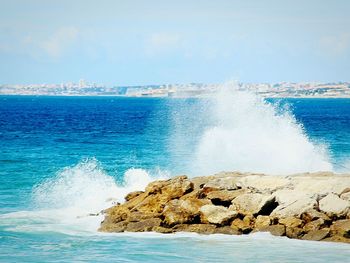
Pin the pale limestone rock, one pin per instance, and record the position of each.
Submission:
(292, 203)
(333, 205)
(290, 222)
(316, 235)
(225, 183)
(250, 203)
(216, 214)
(264, 184)
(321, 183)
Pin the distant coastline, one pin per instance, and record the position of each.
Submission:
(277, 90)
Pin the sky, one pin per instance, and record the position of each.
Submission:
(158, 42)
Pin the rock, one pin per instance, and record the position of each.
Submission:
(115, 215)
(116, 227)
(333, 205)
(138, 216)
(224, 196)
(314, 225)
(163, 230)
(182, 211)
(250, 203)
(291, 222)
(143, 225)
(198, 228)
(313, 214)
(227, 230)
(341, 228)
(276, 230)
(225, 183)
(132, 195)
(216, 214)
(337, 239)
(262, 221)
(241, 225)
(265, 183)
(293, 203)
(346, 195)
(294, 232)
(320, 183)
(316, 235)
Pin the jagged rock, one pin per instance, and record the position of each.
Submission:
(241, 225)
(337, 239)
(198, 228)
(321, 183)
(262, 221)
(116, 227)
(313, 214)
(224, 196)
(138, 216)
(182, 211)
(116, 214)
(293, 203)
(225, 183)
(345, 196)
(163, 230)
(314, 225)
(227, 230)
(132, 195)
(294, 232)
(143, 225)
(341, 228)
(276, 230)
(333, 205)
(291, 222)
(251, 203)
(216, 214)
(264, 183)
(316, 235)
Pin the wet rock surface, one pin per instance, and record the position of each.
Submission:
(311, 206)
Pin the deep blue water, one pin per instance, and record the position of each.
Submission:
(40, 136)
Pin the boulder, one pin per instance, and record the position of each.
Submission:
(243, 226)
(182, 211)
(264, 183)
(223, 183)
(115, 227)
(314, 225)
(292, 203)
(316, 235)
(227, 230)
(341, 228)
(143, 225)
(262, 221)
(294, 232)
(290, 222)
(333, 205)
(197, 228)
(224, 196)
(250, 203)
(313, 214)
(132, 195)
(216, 214)
(163, 230)
(276, 230)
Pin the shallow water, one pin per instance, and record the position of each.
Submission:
(63, 158)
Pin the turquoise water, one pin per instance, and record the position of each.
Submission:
(62, 158)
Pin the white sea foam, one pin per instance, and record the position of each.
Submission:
(249, 134)
(71, 201)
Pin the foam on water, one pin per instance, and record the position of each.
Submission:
(71, 201)
(249, 134)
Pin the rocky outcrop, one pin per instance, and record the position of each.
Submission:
(307, 206)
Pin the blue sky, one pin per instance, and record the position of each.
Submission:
(154, 42)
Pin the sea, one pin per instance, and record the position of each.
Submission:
(63, 159)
